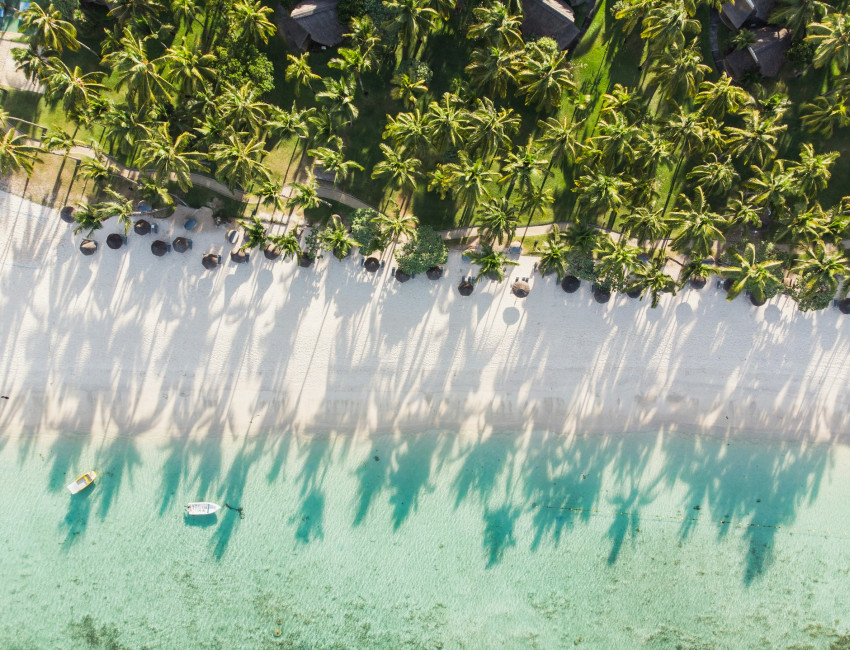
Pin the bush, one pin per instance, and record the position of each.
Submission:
(366, 231)
(424, 250)
(581, 266)
(801, 53)
(241, 64)
(416, 70)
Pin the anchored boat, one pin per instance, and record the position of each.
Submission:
(202, 508)
(82, 483)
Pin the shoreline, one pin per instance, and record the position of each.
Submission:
(124, 342)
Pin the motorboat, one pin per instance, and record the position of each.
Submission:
(82, 483)
(202, 508)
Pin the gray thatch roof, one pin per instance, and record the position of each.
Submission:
(767, 53)
(736, 13)
(550, 18)
(313, 21)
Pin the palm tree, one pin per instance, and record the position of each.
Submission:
(33, 61)
(697, 271)
(617, 262)
(722, 96)
(354, 61)
(97, 168)
(410, 20)
(545, 77)
(184, 12)
(630, 13)
(127, 127)
(169, 158)
(532, 201)
(287, 243)
(333, 161)
(407, 89)
(408, 130)
(118, 206)
(242, 109)
(653, 150)
(305, 195)
(521, 167)
(15, 154)
(399, 169)
(771, 187)
(798, 14)
(45, 28)
(553, 257)
(187, 69)
(700, 227)
(822, 272)
(336, 238)
(558, 140)
(825, 113)
(754, 276)
(598, 190)
(498, 221)
(270, 193)
(468, 178)
(87, 218)
(685, 129)
(680, 69)
(492, 69)
(396, 226)
(813, 171)
(645, 224)
(255, 233)
(58, 140)
(831, 39)
(338, 96)
(73, 87)
(490, 129)
(623, 101)
(141, 76)
(299, 71)
(757, 140)
(443, 122)
(240, 160)
(134, 12)
(653, 280)
(615, 141)
(492, 263)
(581, 238)
(154, 192)
(496, 26)
(363, 33)
(716, 174)
(806, 226)
(250, 21)
(665, 25)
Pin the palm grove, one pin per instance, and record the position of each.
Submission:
(677, 161)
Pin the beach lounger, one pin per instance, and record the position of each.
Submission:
(190, 224)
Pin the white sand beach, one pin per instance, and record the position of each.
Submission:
(126, 343)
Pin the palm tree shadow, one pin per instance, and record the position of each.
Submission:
(499, 532)
(77, 517)
(372, 476)
(411, 476)
(310, 517)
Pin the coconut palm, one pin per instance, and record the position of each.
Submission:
(752, 275)
(757, 140)
(699, 227)
(813, 172)
(558, 140)
(597, 190)
(772, 187)
(137, 72)
(242, 108)
(521, 169)
(492, 263)
(553, 256)
(46, 28)
(615, 141)
(665, 25)
(497, 221)
(532, 201)
(188, 69)
(283, 124)
(492, 68)
(399, 169)
(820, 271)
(363, 32)
(722, 96)
(797, 14)
(444, 122)
(255, 233)
(645, 224)
(16, 154)
(58, 140)
(305, 195)
(73, 87)
(831, 39)
(468, 179)
(154, 192)
(397, 225)
(336, 238)
(544, 77)
(623, 101)
(354, 61)
(333, 161)
(680, 70)
(168, 157)
(652, 150)
(805, 226)
(630, 14)
(33, 61)
(118, 206)
(408, 130)
(184, 12)
(407, 89)
(338, 96)
(240, 160)
(97, 168)
(127, 128)
(496, 26)
(741, 212)
(287, 243)
(270, 193)
(716, 174)
(489, 129)
(617, 262)
(299, 71)
(251, 21)
(410, 20)
(651, 279)
(825, 113)
(132, 12)
(697, 270)
(87, 218)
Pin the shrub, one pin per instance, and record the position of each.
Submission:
(366, 231)
(424, 250)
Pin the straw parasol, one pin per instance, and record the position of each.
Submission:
(211, 261)
(401, 276)
(239, 256)
(88, 246)
(159, 248)
(601, 295)
(757, 303)
(305, 261)
(844, 306)
(271, 251)
(142, 227)
(634, 292)
(697, 281)
(67, 214)
(434, 273)
(115, 241)
(372, 264)
(465, 288)
(180, 244)
(570, 284)
(521, 288)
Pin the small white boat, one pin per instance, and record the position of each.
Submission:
(202, 508)
(82, 483)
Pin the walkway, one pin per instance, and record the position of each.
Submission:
(9, 75)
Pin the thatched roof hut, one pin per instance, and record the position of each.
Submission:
(239, 256)
(67, 214)
(551, 18)
(401, 276)
(767, 54)
(271, 251)
(312, 22)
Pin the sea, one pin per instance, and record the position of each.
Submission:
(430, 540)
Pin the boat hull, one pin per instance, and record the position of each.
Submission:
(202, 509)
(82, 482)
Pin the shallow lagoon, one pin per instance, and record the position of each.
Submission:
(431, 540)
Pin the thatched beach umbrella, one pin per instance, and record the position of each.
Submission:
(465, 288)
(434, 273)
(159, 248)
(844, 306)
(601, 295)
(757, 303)
(521, 288)
(697, 281)
(305, 261)
(271, 251)
(401, 276)
(239, 256)
(570, 284)
(115, 241)
(142, 227)
(67, 214)
(634, 292)
(88, 247)
(372, 264)
(181, 244)
(211, 261)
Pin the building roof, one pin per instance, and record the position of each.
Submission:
(316, 19)
(736, 13)
(767, 53)
(550, 18)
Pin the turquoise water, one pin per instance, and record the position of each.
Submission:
(425, 541)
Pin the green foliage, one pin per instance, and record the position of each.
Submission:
(416, 70)
(800, 53)
(811, 300)
(67, 8)
(366, 231)
(422, 251)
(312, 245)
(375, 9)
(580, 265)
(240, 64)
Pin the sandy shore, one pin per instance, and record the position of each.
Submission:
(126, 343)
